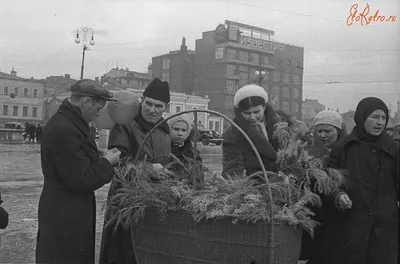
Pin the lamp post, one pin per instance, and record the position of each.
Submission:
(260, 74)
(85, 31)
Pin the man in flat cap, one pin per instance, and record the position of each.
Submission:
(117, 248)
(73, 170)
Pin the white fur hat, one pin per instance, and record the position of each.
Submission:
(180, 118)
(328, 117)
(249, 91)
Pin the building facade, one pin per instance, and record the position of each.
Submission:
(21, 100)
(310, 108)
(57, 84)
(177, 68)
(124, 78)
(228, 58)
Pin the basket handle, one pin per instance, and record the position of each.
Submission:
(195, 111)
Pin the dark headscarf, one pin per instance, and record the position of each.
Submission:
(364, 108)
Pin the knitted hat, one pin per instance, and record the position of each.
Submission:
(247, 91)
(184, 118)
(158, 90)
(328, 117)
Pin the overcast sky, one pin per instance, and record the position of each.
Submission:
(37, 38)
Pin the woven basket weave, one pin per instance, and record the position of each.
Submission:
(179, 240)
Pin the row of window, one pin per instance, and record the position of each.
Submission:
(15, 110)
(286, 106)
(165, 77)
(287, 92)
(245, 73)
(7, 91)
(254, 57)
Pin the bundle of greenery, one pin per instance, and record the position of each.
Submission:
(298, 183)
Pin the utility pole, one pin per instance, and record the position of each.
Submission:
(85, 31)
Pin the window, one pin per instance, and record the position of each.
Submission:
(275, 90)
(296, 93)
(35, 93)
(231, 54)
(286, 77)
(228, 101)
(295, 107)
(15, 110)
(166, 64)
(5, 110)
(255, 58)
(230, 85)
(210, 125)
(26, 92)
(244, 77)
(165, 76)
(243, 68)
(16, 91)
(276, 76)
(216, 128)
(243, 55)
(296, 79)
(266, 59)
(25, 111)
(285, 106)
(5, 90)
(286, 92)
(230, 69)
(178, 109)
(267, 76)
(34, 112)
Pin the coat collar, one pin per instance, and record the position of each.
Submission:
(147, 127)
(74, 114)
(385, 143)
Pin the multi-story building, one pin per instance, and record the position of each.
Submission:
(309, 109)
(57, 84)
(397, 114)
(124, 78)
(177, 68)
(228, 58)
(21, 100)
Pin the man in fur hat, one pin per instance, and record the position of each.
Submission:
(117, 248)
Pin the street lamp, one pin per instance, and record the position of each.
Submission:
(260, 74)
(85, 32)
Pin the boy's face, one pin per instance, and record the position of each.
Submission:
(179, 132)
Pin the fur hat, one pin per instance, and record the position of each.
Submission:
(158, 90)
(247, 91)
(180, 118)
(328, 117)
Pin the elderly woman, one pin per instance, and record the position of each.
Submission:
(328, 129)
(257, 118)
(364, 227)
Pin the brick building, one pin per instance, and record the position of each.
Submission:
(21, 100)
(177, 68)
(228, 57)
(124, 78)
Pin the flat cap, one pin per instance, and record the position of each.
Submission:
(87, 87)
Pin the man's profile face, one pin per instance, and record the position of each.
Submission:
(91, 108)
(152, 109)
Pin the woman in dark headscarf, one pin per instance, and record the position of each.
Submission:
(364, 227)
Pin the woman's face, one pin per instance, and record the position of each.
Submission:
(254, 115)
(375, 123)
(179, 132)
(328, 134)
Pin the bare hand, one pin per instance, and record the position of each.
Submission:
(345, 202)
(157, 167)
(112, 156)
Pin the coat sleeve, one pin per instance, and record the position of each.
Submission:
(74, 165)
(119, 138)
(232, 161)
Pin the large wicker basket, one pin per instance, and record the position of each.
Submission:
(179, 240)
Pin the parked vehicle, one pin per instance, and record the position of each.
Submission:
(14, 125)
(206, 136)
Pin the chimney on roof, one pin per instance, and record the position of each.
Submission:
(13, 72)
(183, 46)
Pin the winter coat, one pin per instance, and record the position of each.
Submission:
(3, 216)
(187, 150)
(72, 170)
(237, 152)
(117, 248)
(368, 232)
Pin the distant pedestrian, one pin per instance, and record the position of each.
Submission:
(39, 131)
(26, 133)
(32, 132)
(73, 170)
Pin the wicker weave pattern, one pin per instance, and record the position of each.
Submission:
(178, 240)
